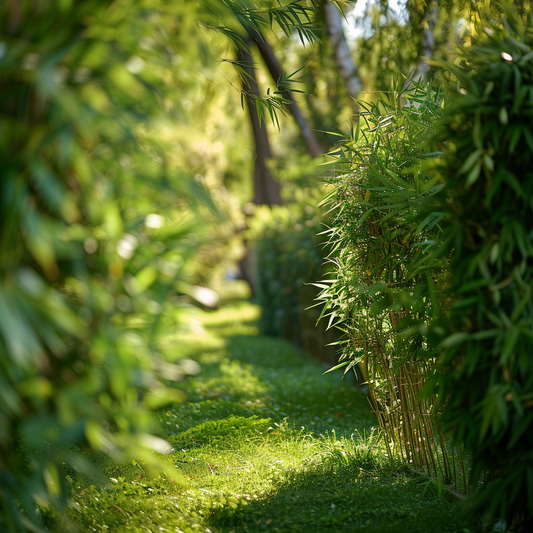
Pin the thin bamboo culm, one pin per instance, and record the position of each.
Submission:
(410, 424)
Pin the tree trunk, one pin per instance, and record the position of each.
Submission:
(266, 190)
(311, 142)
(427, 44)
(341, 53)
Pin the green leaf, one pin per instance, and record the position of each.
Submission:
(454, 339)
(473, 175)
(503, 116)
(259, 109)
(470, 161)
(336, 367)
(511, 339)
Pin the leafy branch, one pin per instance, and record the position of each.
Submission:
(294, 16)
(272, 101)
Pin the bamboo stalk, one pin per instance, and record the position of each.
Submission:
(406, 421)
(444, 453)
(463, 468)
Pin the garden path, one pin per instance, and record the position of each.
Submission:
(264, 442)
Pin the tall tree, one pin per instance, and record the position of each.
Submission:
(427, 43)
(245, 30)
(271, 61)
(266, 189)
(343, 58)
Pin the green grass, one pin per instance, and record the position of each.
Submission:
(265, 442)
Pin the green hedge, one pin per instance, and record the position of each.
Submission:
(485, 366)
(288, 255)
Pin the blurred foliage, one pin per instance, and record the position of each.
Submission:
(390, 41)
(388, 37)
(99, 225)
(485, 369)
(288, 253)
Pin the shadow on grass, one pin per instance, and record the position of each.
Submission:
(331, 498)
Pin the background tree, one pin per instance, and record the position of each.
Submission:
(266, 189)
(333, 17)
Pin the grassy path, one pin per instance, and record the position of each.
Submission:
(264, 442)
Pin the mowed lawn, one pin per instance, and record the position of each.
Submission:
(263, 441)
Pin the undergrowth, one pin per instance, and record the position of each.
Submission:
(265, 442)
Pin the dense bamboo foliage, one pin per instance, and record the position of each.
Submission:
(432, 285)
(485, 372)
(375, 296)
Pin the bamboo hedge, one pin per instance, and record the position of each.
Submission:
(484, 372)
(374, 298)
(433, 269)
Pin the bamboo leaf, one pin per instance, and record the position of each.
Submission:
(336, 367)
(470, 161)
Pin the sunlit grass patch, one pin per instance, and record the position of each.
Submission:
(224, 433)
(237, 312)
(265, 442)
